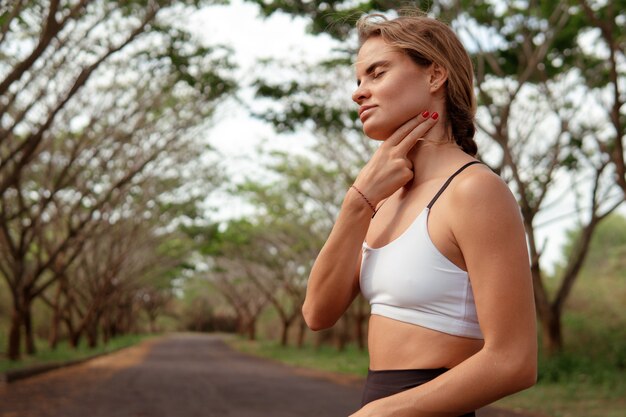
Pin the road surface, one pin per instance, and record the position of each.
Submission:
(184, 375)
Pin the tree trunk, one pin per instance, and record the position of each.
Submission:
(74, 340)
(73, 335)
(53, 338)
(92, 336)
(152, 323)
(106, 335)
(549, 316)
(28, 329)
(55, 322)
(552, 335)
(343, 336)
(251, 327)
(13, 350)
(284, 337)
(301, 333)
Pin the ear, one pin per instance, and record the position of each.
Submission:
(438, 77)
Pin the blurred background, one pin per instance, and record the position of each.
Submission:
(177, 165)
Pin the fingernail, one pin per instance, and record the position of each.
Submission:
(425, 114)
(435, 116)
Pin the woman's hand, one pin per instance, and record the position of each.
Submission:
(390, 168)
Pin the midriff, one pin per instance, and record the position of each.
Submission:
(393, 344)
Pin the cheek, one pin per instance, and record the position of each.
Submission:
(410, 102)
(399, 106)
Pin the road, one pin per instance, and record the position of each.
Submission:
(184, 375)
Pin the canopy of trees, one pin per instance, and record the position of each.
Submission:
(541, 69)
(100, 106)
(104, 107)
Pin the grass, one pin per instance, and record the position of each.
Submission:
(351, 361)
(588, 379)
(64, 352)
(570, 385)
(569, 400)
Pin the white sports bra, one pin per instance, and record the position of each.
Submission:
(410, 280)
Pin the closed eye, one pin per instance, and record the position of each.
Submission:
(375, 70)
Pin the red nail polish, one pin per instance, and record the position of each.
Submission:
(435, 116)
(425, 114)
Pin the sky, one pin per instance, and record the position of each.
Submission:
(252, 38)
(235, 133)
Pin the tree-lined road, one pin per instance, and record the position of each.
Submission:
(183, 375)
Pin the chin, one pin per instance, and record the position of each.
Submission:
(376, 134)
(382, 131)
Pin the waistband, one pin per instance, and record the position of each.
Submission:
(383, 383)
(403, 378)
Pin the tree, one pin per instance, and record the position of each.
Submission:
(607, 250)
(295, 209)
(86, 119)
(528, 56)
(605, 76)
(282, 243)
(533, 112)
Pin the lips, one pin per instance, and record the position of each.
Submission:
(365, 111)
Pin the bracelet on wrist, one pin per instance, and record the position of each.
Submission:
(366, 200)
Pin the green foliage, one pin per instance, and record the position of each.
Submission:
(607, 252)
(200, 67)
(312, 98)
(520, 21)
(133, 7)
(350, 361)
(140, 85)
(598, 357)
(64, 352)
(335, 17)
(587, 379)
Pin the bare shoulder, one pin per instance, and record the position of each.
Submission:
(481, 191)
(484, 212)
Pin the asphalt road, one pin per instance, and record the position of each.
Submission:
(184, 375)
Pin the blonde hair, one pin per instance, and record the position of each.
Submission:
(426, 40)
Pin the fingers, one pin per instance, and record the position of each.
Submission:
(416, 134)
(423, 121)
(404, 130)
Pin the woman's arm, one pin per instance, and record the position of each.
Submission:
(333, 283)
(487, 227)
(334, 279)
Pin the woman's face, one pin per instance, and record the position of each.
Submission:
(391, 88)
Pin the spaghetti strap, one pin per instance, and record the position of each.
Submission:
(445, 185)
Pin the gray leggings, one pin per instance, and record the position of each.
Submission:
(380, 384)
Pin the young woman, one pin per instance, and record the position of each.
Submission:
(431, 237)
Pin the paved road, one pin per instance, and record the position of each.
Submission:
(183, 375)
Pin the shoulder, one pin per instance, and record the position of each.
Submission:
(480, 188)
(483, 208)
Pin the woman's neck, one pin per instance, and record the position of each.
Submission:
(432, 158)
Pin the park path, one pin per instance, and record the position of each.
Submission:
(185, 375)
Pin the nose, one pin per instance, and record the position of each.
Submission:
(360, 94)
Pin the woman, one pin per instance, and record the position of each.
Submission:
(432, 238)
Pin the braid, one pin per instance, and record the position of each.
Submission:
(463, 128)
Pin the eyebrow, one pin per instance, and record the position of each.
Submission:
(372, 67)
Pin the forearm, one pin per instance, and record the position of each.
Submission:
(332, 285)
(480, 380)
